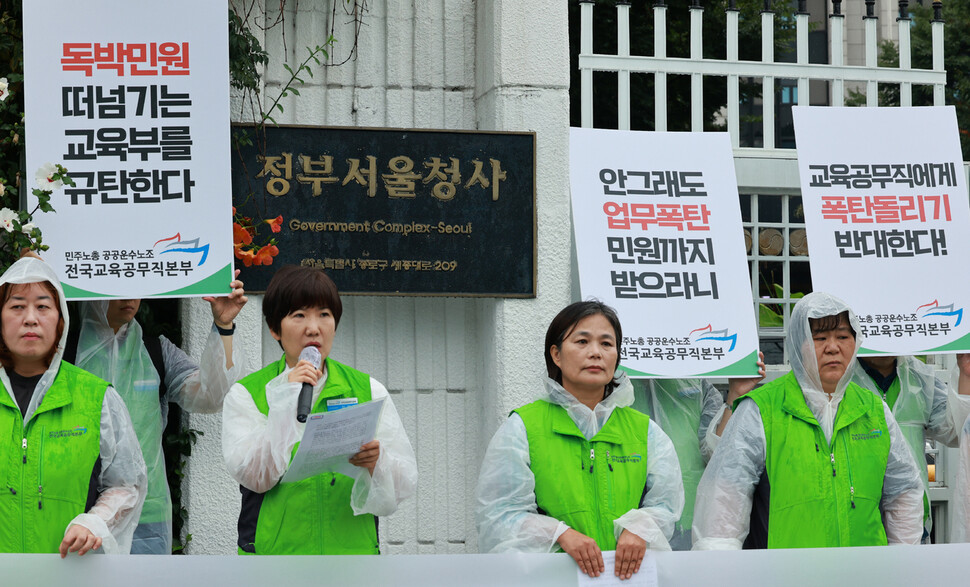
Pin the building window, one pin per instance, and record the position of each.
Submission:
(777, 250)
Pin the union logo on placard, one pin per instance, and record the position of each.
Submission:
(175, 244)
(708, 333)
(935, 309)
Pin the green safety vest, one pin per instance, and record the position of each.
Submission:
(823, 494)
(312, 516)
(587, 484)
(46, 464)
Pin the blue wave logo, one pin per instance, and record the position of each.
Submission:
(707, 333)
(177, 245)
(935, 309)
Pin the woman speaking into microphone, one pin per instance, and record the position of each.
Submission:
(329, 513)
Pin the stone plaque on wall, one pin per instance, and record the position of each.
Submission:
(393, 211)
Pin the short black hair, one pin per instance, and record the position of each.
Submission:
(829, 323)
(566, 320)
(294, 287)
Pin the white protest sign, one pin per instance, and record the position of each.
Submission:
(658, 236)
(888, 222)
(133, 98)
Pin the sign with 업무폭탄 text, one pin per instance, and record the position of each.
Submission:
(888, 222)
(394, 211)
(133, 99)
(657, 224)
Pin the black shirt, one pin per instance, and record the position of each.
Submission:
(884, 383)
(23, 389)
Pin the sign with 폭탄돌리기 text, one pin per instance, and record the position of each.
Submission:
(657, 224)
(133, 99)
(393, 211)
(888, 222)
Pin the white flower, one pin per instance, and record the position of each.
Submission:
(26, 228)
(4, 92)
(44, 180)
(3, 189)
(7, 217)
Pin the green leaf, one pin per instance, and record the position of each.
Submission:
(768, 318)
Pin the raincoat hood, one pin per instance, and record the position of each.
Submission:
(94, 315)
(801, 348)
(33, 270)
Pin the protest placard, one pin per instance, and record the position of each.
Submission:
(658, 234)
(888, 222)
(133, 98)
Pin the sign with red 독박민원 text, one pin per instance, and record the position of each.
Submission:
(133, 99)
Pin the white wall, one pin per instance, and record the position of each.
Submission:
(455, 367)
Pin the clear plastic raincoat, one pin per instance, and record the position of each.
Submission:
(122, 359)
(724, 496)
(686, 410)
(926, 408)
(507, 515)
(122, 481)
(961, 490)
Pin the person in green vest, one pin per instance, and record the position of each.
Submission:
(689, 411)
(580, 470)
(331, 512)
(149, 372)
(923, 404)
(75, 479)
(831, 463)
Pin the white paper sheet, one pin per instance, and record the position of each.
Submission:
(331, 438)
(645, 577)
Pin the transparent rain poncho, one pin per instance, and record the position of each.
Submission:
(122, 482)
(685, 409)
(926, 408)
(724, 496)
(961, 490)
(257, 447)
(507, 514)
(122, 359)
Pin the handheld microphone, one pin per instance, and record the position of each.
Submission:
(312, 354)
